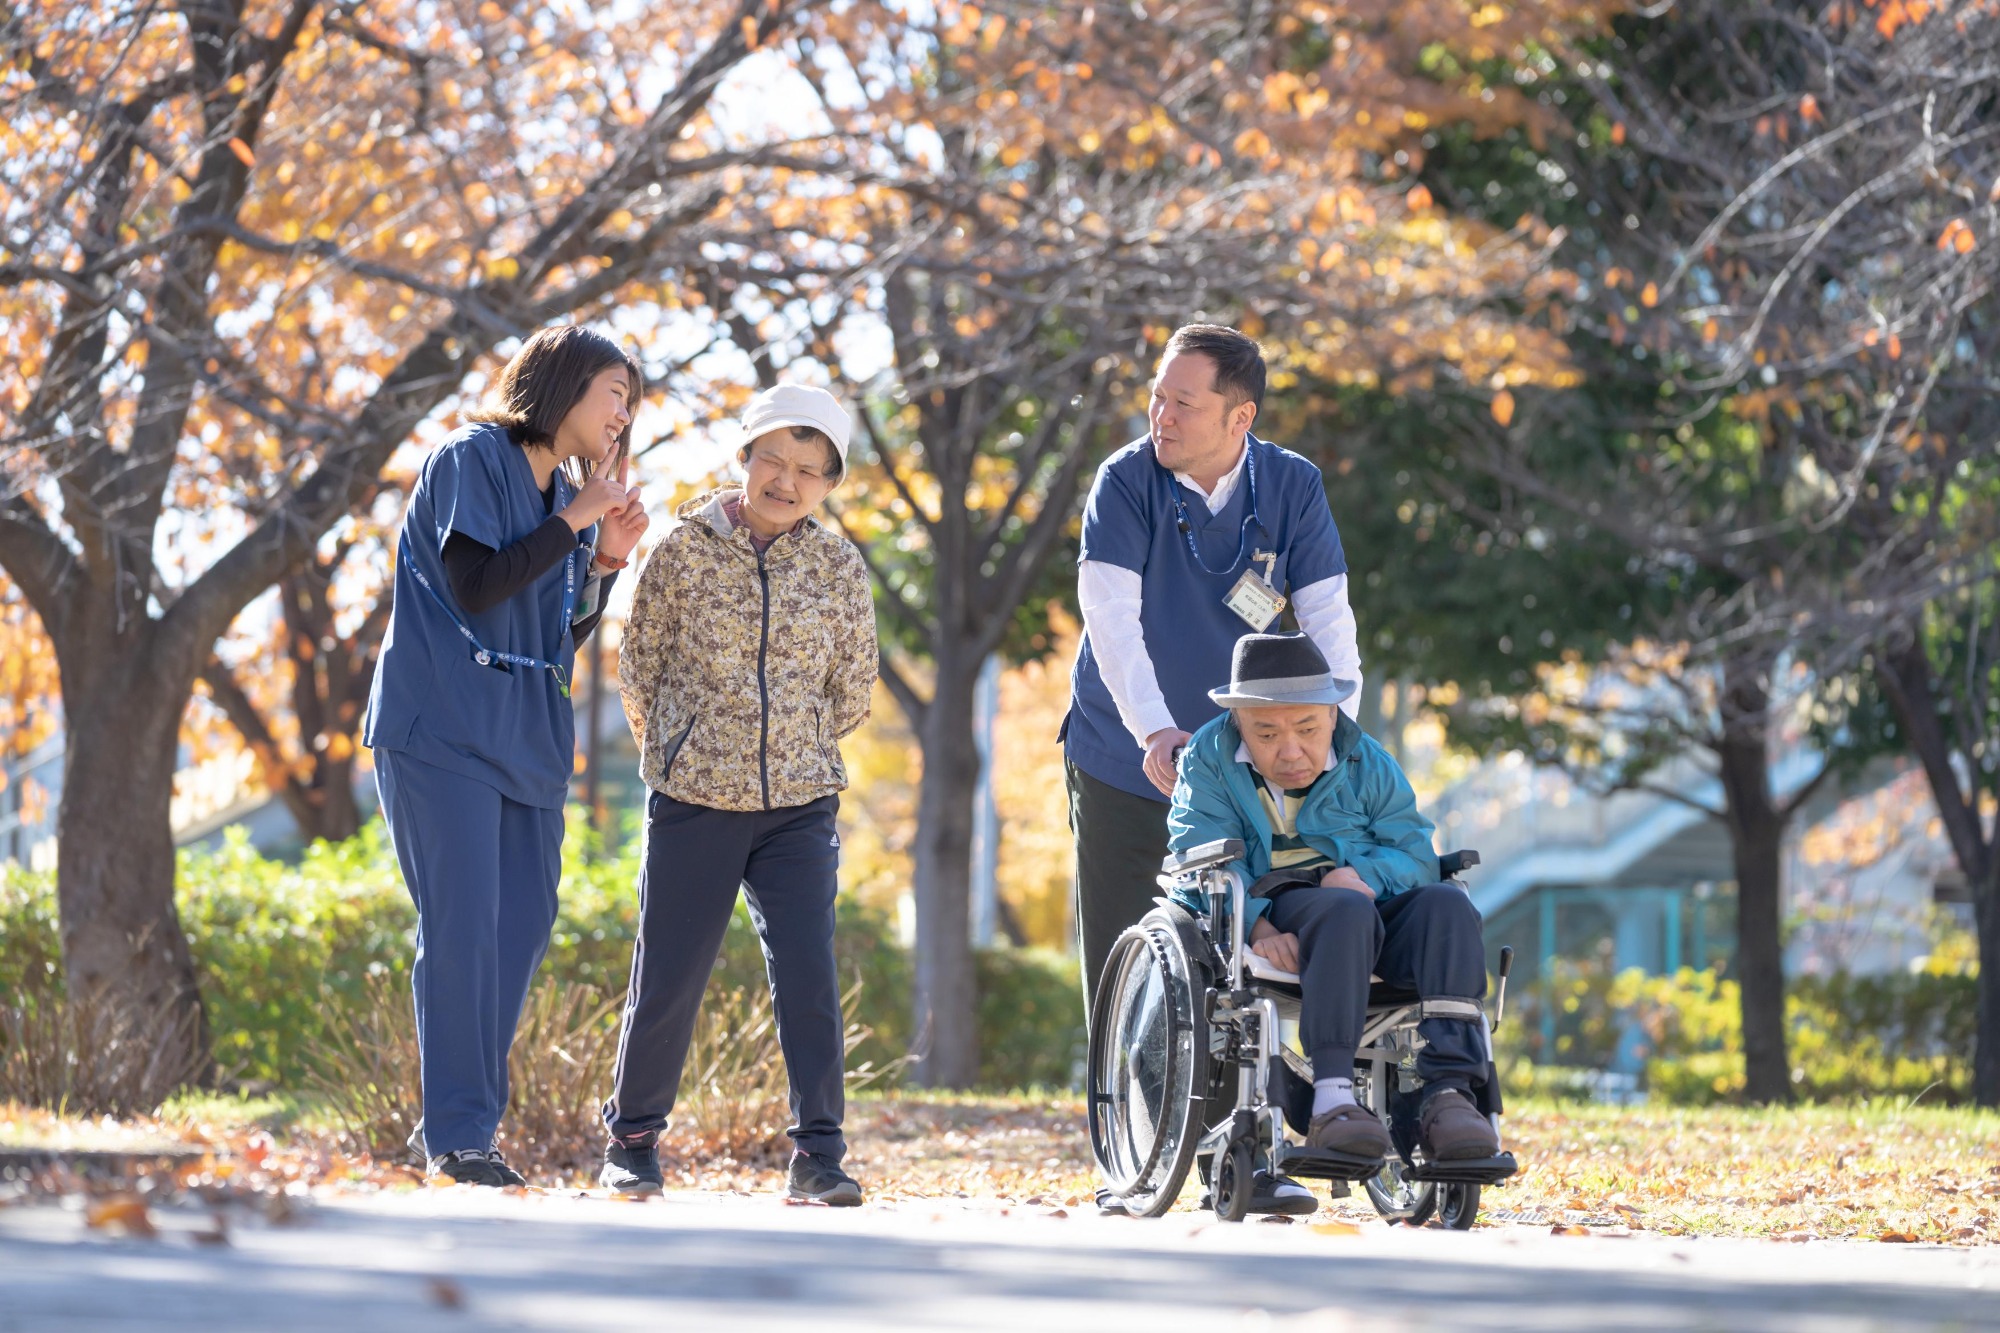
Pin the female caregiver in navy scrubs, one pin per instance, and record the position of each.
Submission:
(514, 534)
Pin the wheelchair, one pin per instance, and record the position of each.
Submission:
(1188, 1065)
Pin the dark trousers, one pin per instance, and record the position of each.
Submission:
(787, 862)
(1121, 839)
(1425, 939)
(482, 870)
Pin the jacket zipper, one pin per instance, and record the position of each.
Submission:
(763, 688)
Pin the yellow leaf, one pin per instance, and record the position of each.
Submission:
(1650, 295)
(1253, 142)
(1503, 407)
(505, 266)
(1895, 348)
(1419, 197)
(749, 26)
(243, 153)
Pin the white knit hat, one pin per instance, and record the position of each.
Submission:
(798, 405)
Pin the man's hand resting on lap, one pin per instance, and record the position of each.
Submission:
(1274, 946)
(1343, 877)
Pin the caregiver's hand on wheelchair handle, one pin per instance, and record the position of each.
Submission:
(1162, 754)
(1274, 946)
(1343, 877)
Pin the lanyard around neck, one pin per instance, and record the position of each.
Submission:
(1242, 528)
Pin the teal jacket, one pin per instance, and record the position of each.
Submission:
(1361, 813)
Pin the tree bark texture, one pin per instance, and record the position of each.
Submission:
(1756, 834)
(946, 996)
(125, 955)
(1904, 675)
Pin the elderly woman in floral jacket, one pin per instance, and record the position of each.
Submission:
(750, 652)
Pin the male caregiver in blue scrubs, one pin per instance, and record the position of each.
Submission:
(1192, 538)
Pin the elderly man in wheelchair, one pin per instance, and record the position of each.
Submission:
(1304, 891)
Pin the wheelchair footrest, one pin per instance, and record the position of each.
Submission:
(1298, 1160)
(1467, 1171)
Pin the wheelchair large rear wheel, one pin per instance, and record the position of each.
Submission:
(1148, 1063)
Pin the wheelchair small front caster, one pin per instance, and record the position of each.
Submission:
(1459, 1206)
(1235, 1175)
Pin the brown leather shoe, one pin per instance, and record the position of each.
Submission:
(1451, 1128)
(1351, 1129)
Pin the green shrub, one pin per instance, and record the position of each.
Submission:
(281, 945)
(1896, 1034)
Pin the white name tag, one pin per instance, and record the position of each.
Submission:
(586, 602)
(1254, 601)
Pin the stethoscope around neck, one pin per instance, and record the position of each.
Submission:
(1242, 529)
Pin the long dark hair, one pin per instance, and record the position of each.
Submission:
(549, 376)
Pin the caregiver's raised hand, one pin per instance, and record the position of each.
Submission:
(625, 525)
(599, 496)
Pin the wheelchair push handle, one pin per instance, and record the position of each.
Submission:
(1500, 995)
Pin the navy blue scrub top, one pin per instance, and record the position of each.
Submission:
(1130, 521)
(509, 728)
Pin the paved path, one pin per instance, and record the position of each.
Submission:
(470, 1260)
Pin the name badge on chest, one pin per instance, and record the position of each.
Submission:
(1255, 602)
(586, 602)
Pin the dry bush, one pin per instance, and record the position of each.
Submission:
(85, 1057)
(734, 1102)
(366, 1071)
(560, 1071)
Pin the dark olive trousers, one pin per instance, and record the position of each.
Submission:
(1120, 841)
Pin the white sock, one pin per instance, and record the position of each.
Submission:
(1329, 1093)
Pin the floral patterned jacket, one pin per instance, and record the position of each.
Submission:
(740, 670)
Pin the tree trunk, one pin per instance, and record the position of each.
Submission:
(1904, 675)
(326, 808)
(946, 995)
(1986, 1053)
(125, 956)
(1756, 835)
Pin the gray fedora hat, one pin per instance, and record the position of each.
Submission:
(1277, 669)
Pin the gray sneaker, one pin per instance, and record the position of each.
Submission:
(818, 1177)
(467, 1166)
(632, 1165)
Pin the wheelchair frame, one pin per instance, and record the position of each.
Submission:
(1237, 1020)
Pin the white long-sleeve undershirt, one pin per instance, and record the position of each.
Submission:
(1110, 596)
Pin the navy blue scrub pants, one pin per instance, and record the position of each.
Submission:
(787, 862)
(483, 870)
(1425, 940)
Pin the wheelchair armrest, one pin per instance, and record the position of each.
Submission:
(1452, 864)
(1200, 858)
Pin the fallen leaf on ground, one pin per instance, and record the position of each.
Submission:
(1568, 1229)
(1335, 1229)
(443, 1291)
(123, 1211)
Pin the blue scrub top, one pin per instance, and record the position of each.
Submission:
(1130, 521)
(509, 728)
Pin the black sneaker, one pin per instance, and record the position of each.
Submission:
(632, 1165)
(1273, 1193)
(467, 1166)
(818, 1177)
(508, 1175)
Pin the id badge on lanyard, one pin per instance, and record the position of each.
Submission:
(1253, 599)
